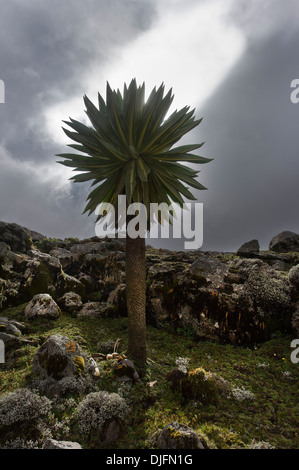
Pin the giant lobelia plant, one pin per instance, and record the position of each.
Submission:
(129, 150)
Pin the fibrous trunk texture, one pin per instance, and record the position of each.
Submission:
(136, 299)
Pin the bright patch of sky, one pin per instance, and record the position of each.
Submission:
(191, 47)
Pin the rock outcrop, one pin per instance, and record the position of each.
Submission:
(241, 298)
(285, 242)
(42, 306)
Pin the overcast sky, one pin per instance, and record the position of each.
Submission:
(232, 60)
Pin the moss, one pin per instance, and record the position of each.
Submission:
(271, 417)
(80, 364)
(182, 440)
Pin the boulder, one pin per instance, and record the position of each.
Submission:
(57, 358)
(285, 242)
(178, 436)
(249, 248)
(53, 444)
(70, 302)
(42, 306)
(17, 237)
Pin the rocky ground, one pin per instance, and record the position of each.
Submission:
(49, 288)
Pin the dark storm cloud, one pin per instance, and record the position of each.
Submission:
(250, 125)
(45, 48)
(250, 128)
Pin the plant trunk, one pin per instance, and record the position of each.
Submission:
(136, 299)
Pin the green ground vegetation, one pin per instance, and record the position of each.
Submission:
(264, 407)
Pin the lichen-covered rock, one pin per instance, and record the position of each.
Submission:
(53, 444)
(70, 302)
(285, 242)
(57, 358)
(178, 436)
(42, 306)
(267, 293)
(102, 414)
